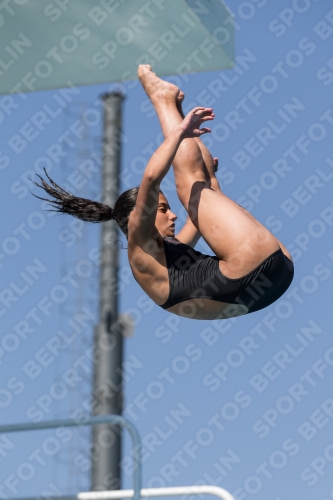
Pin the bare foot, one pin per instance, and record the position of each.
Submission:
(155, 88)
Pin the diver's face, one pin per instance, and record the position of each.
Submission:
(165, 219)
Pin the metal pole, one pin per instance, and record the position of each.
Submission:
(111, 419)
(107, 391)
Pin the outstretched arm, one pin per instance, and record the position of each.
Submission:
(142, 220)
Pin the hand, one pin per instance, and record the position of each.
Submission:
(192, 121)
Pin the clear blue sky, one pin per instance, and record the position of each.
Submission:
(254, 395)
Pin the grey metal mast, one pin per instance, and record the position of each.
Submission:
(107, 391)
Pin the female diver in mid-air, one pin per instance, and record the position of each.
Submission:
(250, 269)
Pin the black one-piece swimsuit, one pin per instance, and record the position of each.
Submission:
(195, 275)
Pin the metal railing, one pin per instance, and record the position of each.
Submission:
(147, 493)
(137, 492)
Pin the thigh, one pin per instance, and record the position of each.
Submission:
(235, 236)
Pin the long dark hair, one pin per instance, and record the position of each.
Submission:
(88, 210)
